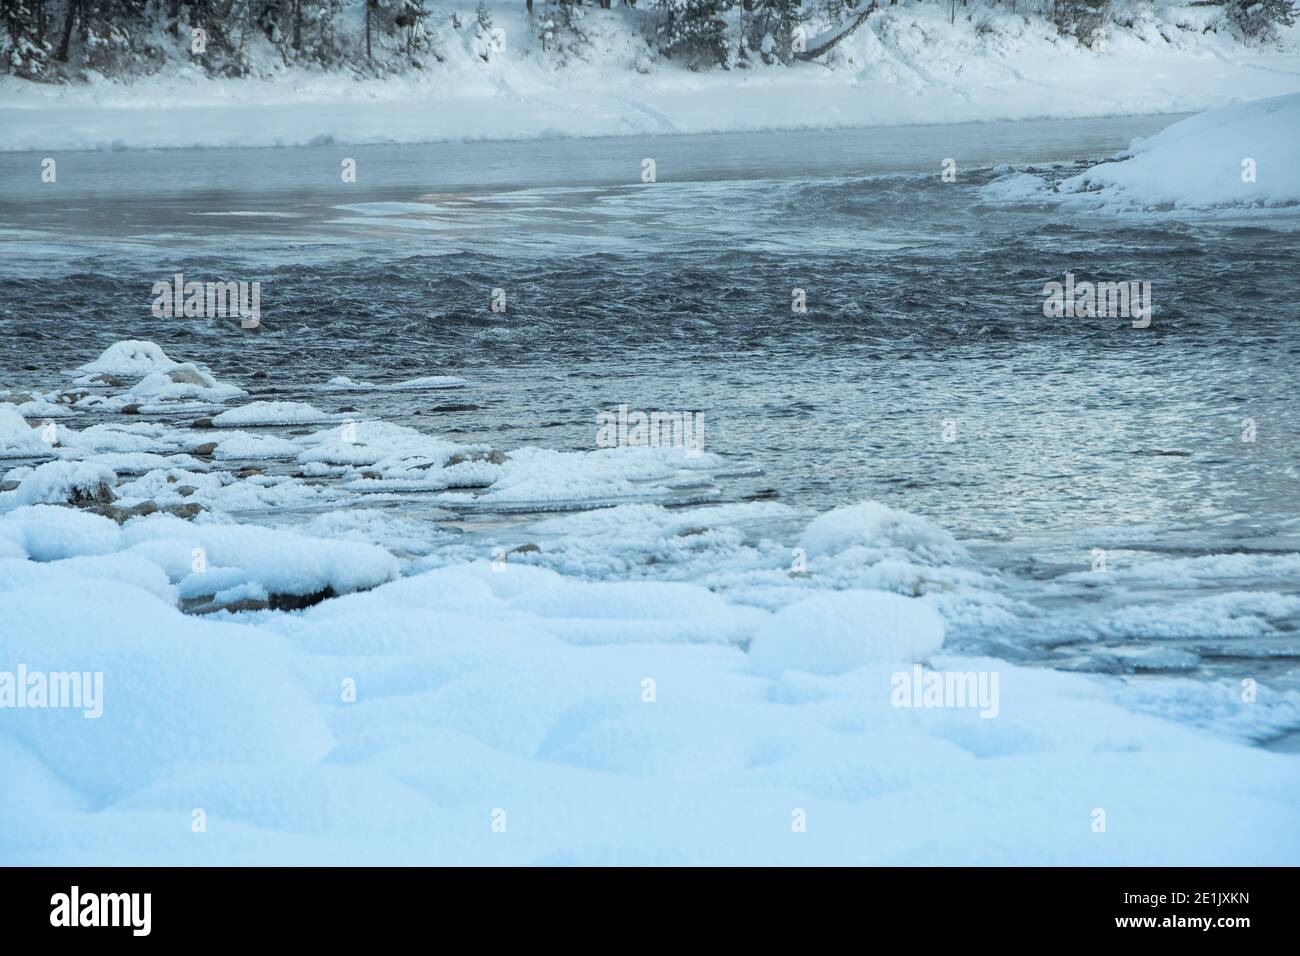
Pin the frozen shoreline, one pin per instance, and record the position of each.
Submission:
(909, 68)
(474, 705)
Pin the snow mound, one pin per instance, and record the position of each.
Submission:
(840, 631)
(129, 358)
(185, 382)
(1240, 155)
(205, 560)
(57, 482)
(51, 533)
(878, 531)
(174, 690)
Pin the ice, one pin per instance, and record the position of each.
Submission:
(272, 413)
(245, 445)
(541, 477)
(344, 384)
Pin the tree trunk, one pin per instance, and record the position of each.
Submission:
(370, 6)
(73, 7)
(297, 24)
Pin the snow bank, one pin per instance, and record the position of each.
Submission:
(176, 691)
(1240, 155)
(397, 725)
(915, 66)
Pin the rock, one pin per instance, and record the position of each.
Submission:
(206, 450)
(186, 490)
(20, 398)
(112, 380)
(248, 472)
(526, 549)
(189, 376)
(100, 494)
(259, 375)
(186, 511)
(453, 407)
(132, 409)
(70, 398)
(374, 475)
(491, 457)
(346, 408)
(203, 423)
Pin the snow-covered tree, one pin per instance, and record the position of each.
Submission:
(1259, 18)
(770, 28)
(24, 47)
(694, 32)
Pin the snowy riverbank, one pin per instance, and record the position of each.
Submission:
(441, 700)
(908, 65)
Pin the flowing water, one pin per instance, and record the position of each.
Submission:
(923, 373)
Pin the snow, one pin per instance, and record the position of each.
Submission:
(129, 358)
(183, 382)
(1235, 158)
(472, 698)
(17, 438)
(1241, 155)
(344, 384)
(906, 65)
(840, 631)
(205, 559)
(614, 719)
(58, 481)
(272, 413)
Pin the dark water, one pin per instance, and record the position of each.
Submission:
(924, 306)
